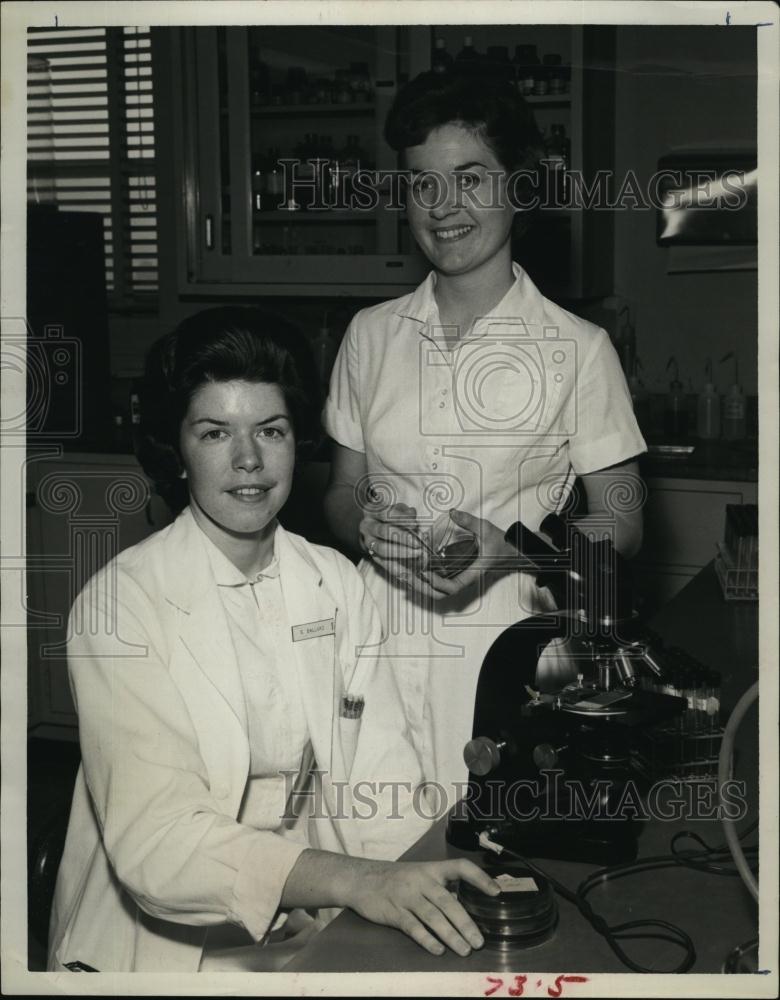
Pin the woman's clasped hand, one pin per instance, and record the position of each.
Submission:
(396, 543)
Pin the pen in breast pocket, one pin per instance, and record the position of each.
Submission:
(352, 706)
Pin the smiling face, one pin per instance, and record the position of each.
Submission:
(458, 208)
(238, 449)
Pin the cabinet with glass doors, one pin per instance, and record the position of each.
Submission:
(290, 189)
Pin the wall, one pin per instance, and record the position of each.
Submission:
(683, 86)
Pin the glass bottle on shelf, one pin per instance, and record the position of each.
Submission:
(327, 172)
(498, 61)
(259, 82)
(274, 182)
(441, 60)
(555, 78)
(675, 406)
(297, 83)
(541, 81)
(468, 53)
(360, 82)
(301, 177)
(526, 62)
(320, 91)
(324, 350)
(350, 159)
(557, 150)
(341, 93)
(258, 185)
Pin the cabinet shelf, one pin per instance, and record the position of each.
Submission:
(325, 217)
(549, 100)
(321, 110)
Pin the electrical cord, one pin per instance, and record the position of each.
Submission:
(707, 859)
(734, 960)
(614, 934)
(699, 860)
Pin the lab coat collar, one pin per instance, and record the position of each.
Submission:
(192, 582)
(227, 574)
(205, 639)
(523, 303)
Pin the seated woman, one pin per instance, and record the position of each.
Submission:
(242, 748)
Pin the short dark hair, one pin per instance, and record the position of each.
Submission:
(220, 345)
(482, 101)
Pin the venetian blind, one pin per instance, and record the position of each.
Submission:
(90, 142)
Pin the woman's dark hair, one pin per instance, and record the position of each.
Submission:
(483, 101)
(220, 345)
(486, 103)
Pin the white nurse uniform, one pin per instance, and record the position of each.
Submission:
(499, 426)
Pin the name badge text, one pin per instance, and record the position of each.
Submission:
(313, 630)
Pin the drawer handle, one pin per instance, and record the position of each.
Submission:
(209, 232)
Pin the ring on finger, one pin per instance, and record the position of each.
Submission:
(371, 548)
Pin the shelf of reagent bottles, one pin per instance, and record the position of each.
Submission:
(367, 109)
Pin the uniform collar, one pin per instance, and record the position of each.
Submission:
(187, 567)
(522, 302)
(227, 574)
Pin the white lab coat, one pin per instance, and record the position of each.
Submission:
(165, 754)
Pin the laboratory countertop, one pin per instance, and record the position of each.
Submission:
(710, 460)
(717, 912)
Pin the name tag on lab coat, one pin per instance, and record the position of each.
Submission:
(313, 630)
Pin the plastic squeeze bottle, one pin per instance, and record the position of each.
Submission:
(708, 423)
(675, 410)
(324, 351)
(733, 405)
(625, 343)
(639, 398)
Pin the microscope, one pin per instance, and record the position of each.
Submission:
(560, 700)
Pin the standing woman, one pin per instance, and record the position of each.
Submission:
(473, 393)
(219, 674)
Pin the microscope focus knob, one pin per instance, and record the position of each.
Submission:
(545, 756)
(482, 755)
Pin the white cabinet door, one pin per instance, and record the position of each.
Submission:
(82, 510)
(684, 519)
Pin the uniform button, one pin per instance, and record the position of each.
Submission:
(441, 406)
(434, 465)
(435, 451)
(444, 392)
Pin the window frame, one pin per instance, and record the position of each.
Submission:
(119, 169)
